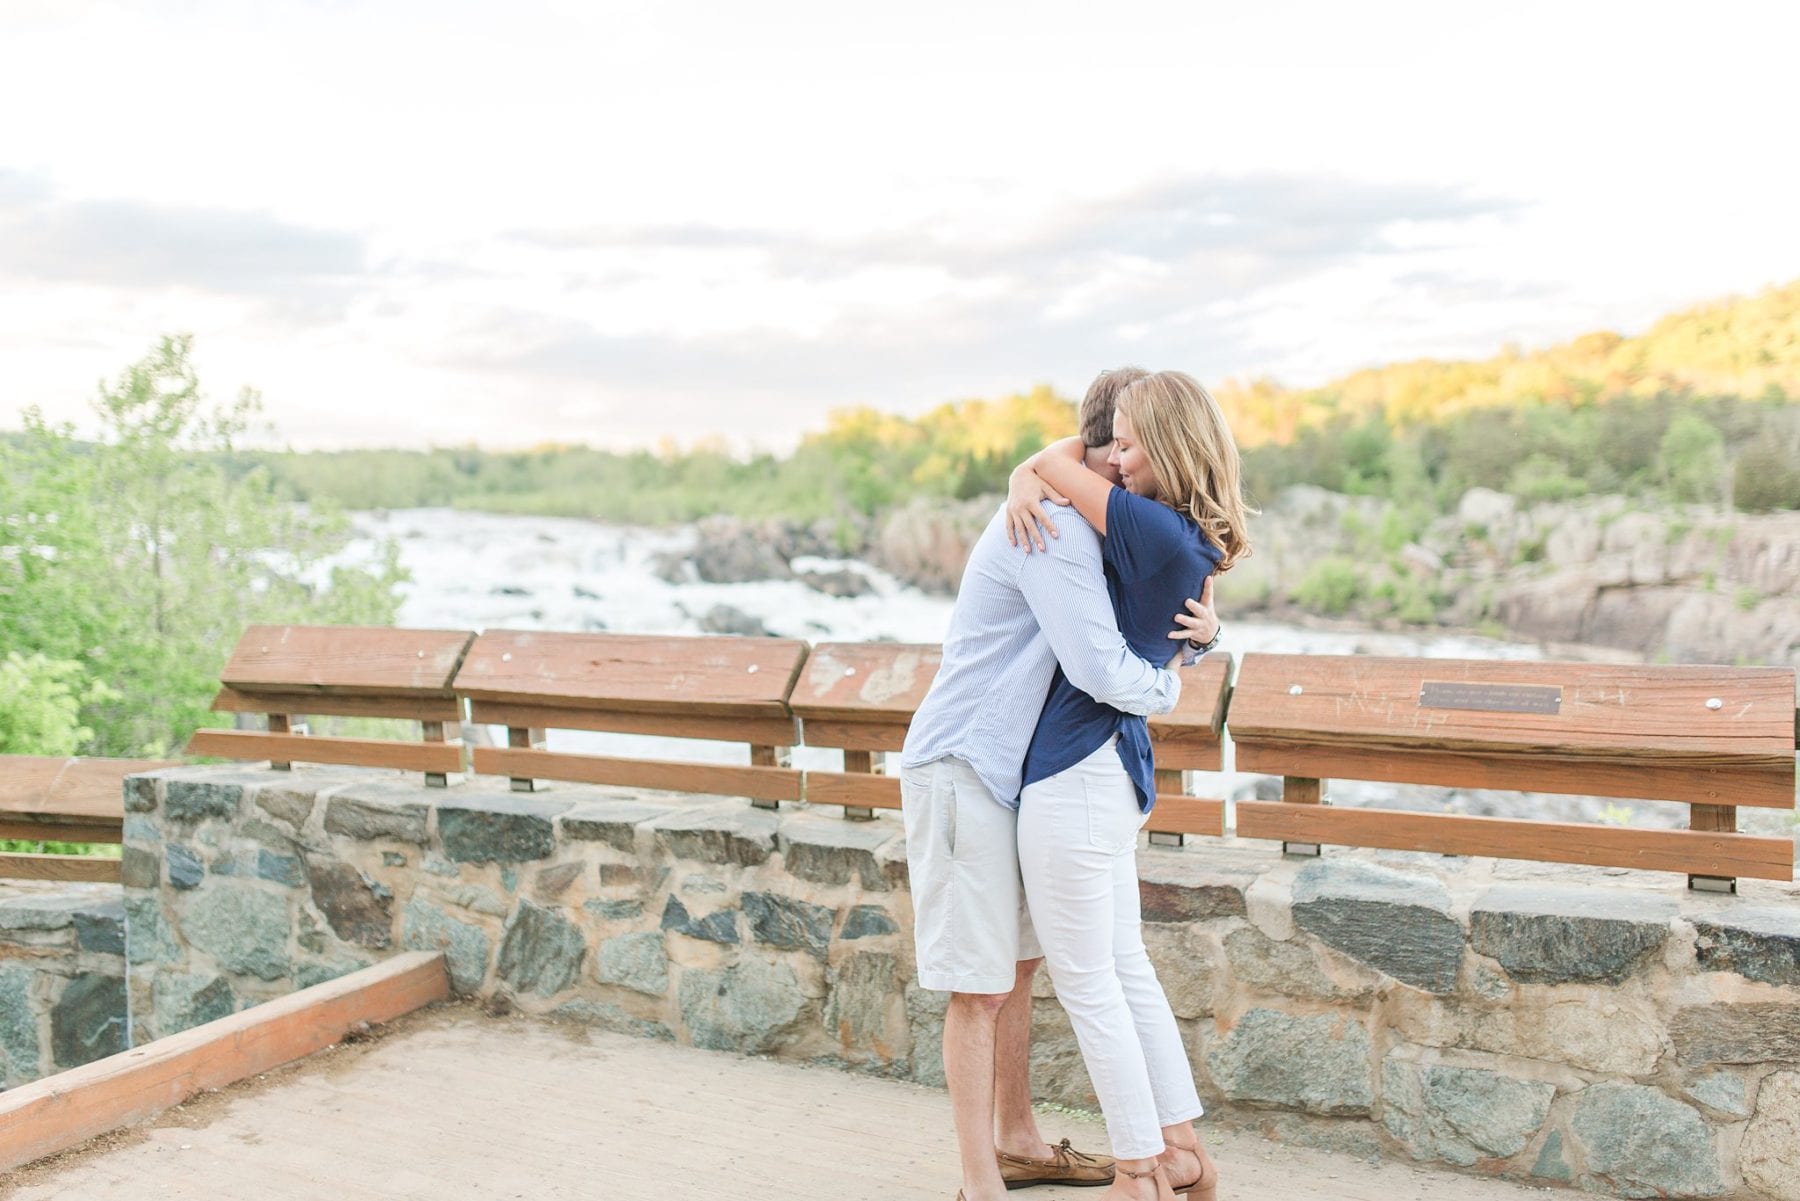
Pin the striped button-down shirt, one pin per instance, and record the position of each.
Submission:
(1017, 616)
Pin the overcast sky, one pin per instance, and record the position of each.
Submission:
(443, 221)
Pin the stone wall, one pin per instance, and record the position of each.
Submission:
(1601, 1029)
(62, 978)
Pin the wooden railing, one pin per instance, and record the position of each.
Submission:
(64, 800)
(1714, 738)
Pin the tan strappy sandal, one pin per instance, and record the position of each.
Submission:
(1206, 1187)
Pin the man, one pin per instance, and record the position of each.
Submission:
(1018, 616)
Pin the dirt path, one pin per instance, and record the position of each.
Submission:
(451, 1104)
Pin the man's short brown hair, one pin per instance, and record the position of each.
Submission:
(1102, 396)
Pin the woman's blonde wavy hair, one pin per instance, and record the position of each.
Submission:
(1184, 434)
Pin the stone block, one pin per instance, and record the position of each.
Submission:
(540, 950)
(281, 869)
(425, 927)
(737, 835)
(1546, 935)
(925, 1024)
(1396, 922)
(788, 923)
(1769, 1156)
(719, 926)
(551, 882)
(1319, 1064)
(865, 1002)
(287, 803)
(198, 800)
(140, 794)
(244, 929)
(1286, 969)
(833, 852)
(53, 912)
(140, 868)
(308, 974)
(1640, 1142)
(749, 1007)
(366, 815)
(359, 909)
(1758, 1032)
(1185, 958)
(867, 921)
(475, 899)
(1723, 1091)
(185, 868)
(147, 936)
(88, 1021)
(616, 910)
(101, 927)
(498, 828)
(20, 1054)
(1460, 1115)
(613, 1018)
(1176, 887)
(614, 823)
(1552, 1162)
(1759, 943)
(180, 1001)
(634, 961)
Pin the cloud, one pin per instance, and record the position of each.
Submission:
(135, 244)
(1167, 275)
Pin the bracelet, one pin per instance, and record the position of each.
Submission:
(1203, 647)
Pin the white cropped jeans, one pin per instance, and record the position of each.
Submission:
(1078, 835)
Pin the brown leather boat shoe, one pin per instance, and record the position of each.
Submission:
(1066, 1165)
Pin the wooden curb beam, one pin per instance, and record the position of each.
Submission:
(69, 1108)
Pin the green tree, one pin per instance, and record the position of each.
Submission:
(40, 705)
(1691, 460)
(142, 555)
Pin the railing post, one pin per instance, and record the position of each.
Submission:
(769, 756)
(1302, 790)
(439, 731)
(1715, 819)
(1168, 781)
(524, 738)
(282, 723)
(866, 763)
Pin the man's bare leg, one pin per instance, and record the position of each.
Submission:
(1017, 1130)
(969, 1032)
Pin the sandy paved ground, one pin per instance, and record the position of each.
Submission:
(452, 1104)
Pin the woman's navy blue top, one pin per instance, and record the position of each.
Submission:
(1155, 559)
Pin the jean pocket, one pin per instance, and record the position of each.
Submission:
(1113, 817)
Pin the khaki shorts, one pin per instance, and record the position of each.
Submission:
(970, 924)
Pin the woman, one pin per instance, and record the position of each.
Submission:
(1089, 778)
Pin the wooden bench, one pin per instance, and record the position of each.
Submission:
(724, 689)
(64, 800)
(860, 697)
(1714, 738)
(342, 671)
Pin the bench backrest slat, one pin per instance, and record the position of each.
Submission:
(713, 677)
(1605, 710)
(351, 660)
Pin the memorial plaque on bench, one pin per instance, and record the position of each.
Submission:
(1491, 698)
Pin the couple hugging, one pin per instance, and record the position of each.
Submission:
(1027, 775)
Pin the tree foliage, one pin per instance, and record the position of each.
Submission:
(140, 557)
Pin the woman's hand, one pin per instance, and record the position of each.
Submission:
(1026, 520)
(1199, 623)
